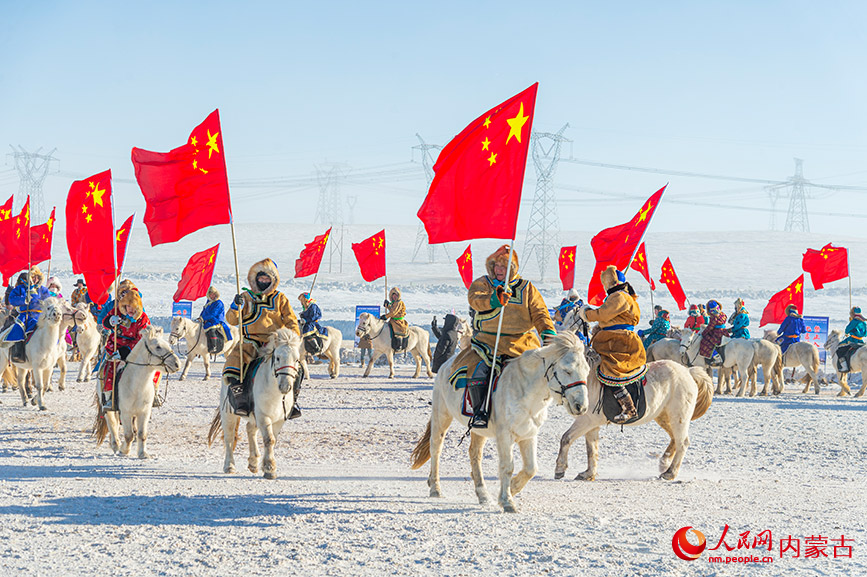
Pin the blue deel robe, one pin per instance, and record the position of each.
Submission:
(214, 314)
(790, 331)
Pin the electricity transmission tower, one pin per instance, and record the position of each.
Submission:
(32, 169)
(797, 219)
(329, 210)
(543, 230)
(421, 242)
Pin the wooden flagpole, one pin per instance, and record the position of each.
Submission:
(849, 271)
(238, 287)
(499, 331)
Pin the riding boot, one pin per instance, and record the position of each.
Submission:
(238, 398)
(478, 391)
(108, 401)
(296, 388)
(627, 407)
(18, 352)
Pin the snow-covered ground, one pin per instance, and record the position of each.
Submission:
(346, 502)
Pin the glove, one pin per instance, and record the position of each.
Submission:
(640, 333)
(433, 323)
(503, 295)
(114, 320)
(385, 303)
(382, 317)
(582, 313)
(238, 300)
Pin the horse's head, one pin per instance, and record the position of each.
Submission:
(363, 327)
(568, 371)
(158, 348)
(686, 339)
(833, 340)
(71, 315)
(52, 312)
(284, 346)
(177, 331)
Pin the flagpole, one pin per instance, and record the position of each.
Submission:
(116, 283)
(29, 254)
(238, 287)
(499, 330)
(310, 292)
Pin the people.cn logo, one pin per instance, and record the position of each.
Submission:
(683, 548)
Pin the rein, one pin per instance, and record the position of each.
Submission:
(563, 387)
(376, 336)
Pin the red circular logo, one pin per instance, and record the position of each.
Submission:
(683, 548)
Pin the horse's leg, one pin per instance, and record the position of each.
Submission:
(591, 442)
(417, 358)
(668, 454)
(128, 432)
(334, 363)
(229, 421)
(389, 355)
(113, 434)
(142, 422)
(439, 423)
(189, 361)
(253, 458)
(22, 388)
(744, 379)
(269, 464)
(843, 379)
(860, 392)
(61, 379)
(477, 443)
(507, 468)
(680, 437)
(578, 428)
(207, 360)
(373, 356)
(530, 467)
(39, 385)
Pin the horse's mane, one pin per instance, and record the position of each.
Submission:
(281, 337)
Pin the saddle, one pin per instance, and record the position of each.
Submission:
(313, 344)
(611, 408)
(398, 343)
(844, 355)
(216, 339)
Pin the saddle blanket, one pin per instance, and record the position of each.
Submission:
(611, 408)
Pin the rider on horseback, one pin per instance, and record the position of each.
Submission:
(214, 322)
(622, 355)
(261, 310)
(571, 301)
(791, 328)
(658, 330)
(396, 317)
(856, 330)
(713, 334)
(695, 321)
(126, 321)
(523, 310)
(740, 320)
(312, 331)
(27, 299)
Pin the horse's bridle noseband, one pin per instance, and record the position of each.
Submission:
(563, 387)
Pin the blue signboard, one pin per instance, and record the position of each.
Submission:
(371, 309)
(817, 333)
(182, 309)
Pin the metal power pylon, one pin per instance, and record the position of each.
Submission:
(32, 169)
(329, 210)
(543, 230)
(797, 218)
(427, 160)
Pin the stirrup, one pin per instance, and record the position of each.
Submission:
(479, 420)
(294, 413)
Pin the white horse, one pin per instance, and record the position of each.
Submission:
(273, 398)
(41, 352)
(800, 354)
(573, 323)
(330, 350)
(87, 339)
(418, 344)
(667, 349)
(197, 342)
(857, 364)
(738, 355)
(135, 392)
(675, 395)
(519, 406)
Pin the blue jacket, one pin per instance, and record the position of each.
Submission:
(740, 321)
(311, 316)
(790, 331)
(856, 330)
(214, 314)
(29, 307)
(658, 330)
(104, 311)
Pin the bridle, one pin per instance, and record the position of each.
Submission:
(684, 350)
(178, 336)
(563, 386)
(373, 337)
(152, 354)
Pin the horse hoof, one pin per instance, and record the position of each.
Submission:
(144, 456)
(43, 408)
(253, 469)
(230, 470)
(436, 493)
(559, 474)
(510, 508)
(668, 476)
(585, 476)
(270, 475)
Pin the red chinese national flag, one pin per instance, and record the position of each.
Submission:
(617, 245)
(6, 209)
(197, 275)
(567, 266)
(465, 266)
(5, 236)
(775, 311)
(311, 257)
(90, 233)
(185, 189)
(15, 243)
(669, 279)
(370, 254)
(476, 191)
(121, 238)
(40, 240)
(639, 263)
(826, 265)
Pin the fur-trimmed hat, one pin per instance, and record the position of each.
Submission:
(54, 281)
(267, 267)
(855, 313)
(792, 308)
(713, 305)
(693, 309)
(501, 257)
(573, 295)
(36, 276)
(611, 277)
(394, 290)
(215, 292)
(130, 297)
(739, 303)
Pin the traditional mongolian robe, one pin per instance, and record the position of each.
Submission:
(214, 315)
(396, 314)
(790, 331)
(622, 354)
(740, 321)
(713, 334)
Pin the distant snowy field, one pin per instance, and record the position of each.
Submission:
(346, 502)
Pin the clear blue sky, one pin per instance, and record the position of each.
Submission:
(732, 88)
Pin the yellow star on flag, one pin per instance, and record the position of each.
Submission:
(516, 124)
(97, 195)
(642, 214)
(50, 224)
(492, 159)
(212, 143)
(89, 218)
(193, 141)
(83, 209)
(485, 144)
(487, 121)
(119, 234)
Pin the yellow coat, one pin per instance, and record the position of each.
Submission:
(621, 350)
(264, 313)
(396, 315)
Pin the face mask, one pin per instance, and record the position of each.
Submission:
(263, 284)
(52, 293)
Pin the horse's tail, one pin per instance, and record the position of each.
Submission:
(421, 453)
(216, 427)
(705, 391)
(99, 429)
